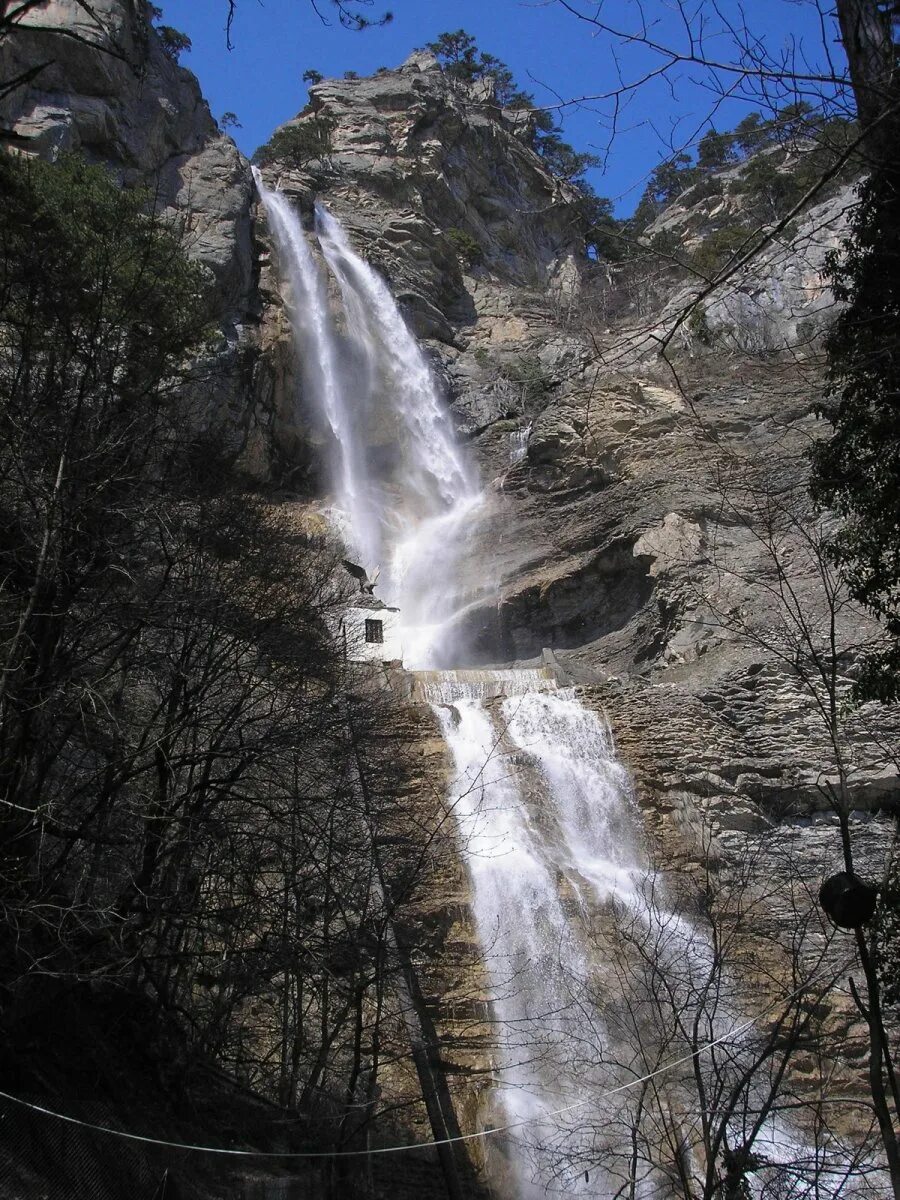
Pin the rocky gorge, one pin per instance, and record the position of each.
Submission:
(646, 537)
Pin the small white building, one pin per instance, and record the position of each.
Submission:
(371, 630)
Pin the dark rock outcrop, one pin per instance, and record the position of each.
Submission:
(107, 89)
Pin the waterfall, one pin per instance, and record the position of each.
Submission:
(548, 829)
(408, 516)
(323, 381)
(577, 837)
(429, 503)
(517, 440)
(531, 952)
(553, 841)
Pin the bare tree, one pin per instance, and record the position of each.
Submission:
(787, 598)
(714, 1102)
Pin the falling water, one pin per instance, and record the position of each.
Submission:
(518, 444)
(549, 831)
(577, 838)
(409, 517)
(429, 503)
(531, 951)
(323, 381)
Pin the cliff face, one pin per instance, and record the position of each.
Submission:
(107, 89)
(440, 190)
(644, 514)
(417, 162)
(612, 532)
(629, 527)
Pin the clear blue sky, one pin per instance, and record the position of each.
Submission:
(547, 49)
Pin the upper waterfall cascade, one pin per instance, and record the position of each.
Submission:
(547, 825)
(409, 514)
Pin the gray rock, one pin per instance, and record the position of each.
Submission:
(109, 91)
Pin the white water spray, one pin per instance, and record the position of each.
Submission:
(323, 382)
(531, 952)
(552, 837)
(428, 504)
(410, 512)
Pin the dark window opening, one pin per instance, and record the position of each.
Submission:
(374, 631)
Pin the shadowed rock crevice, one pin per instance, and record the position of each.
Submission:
(562, 606)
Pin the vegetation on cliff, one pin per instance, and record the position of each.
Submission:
(298, 145)
(857, 467)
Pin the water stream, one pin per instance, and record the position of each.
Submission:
(539, 862)
(406, 494)
(549, 831)
(319, 354)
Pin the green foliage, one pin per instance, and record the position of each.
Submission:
(98, 307)
(715, 151)
(517, 99)
(229, 121)
(457, 53)
(174, 42)
(856, 468)
(709, 185)
(779, 185)
(505, 90)
(604, 234)
(77, 244)
(666, 243)
(466, 248)
(666, 182)
(561, 159)
(720, 247)
(312, 76)
(527, 373)
(671, 178)
(698, 325)
(461, 60)
(768, 178)
(351, 74)
(752, 133)
(797, 120)
(762, 180)
(297, 145)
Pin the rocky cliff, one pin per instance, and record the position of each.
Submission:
(624, 530)
(647, 529)
(108, 90)
(631, 526)
(102, 85)
(607, 535)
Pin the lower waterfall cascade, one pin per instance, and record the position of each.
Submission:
(550, 834)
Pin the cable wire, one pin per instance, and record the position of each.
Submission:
(463, 1137)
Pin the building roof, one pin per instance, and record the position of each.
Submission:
(370, 603)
